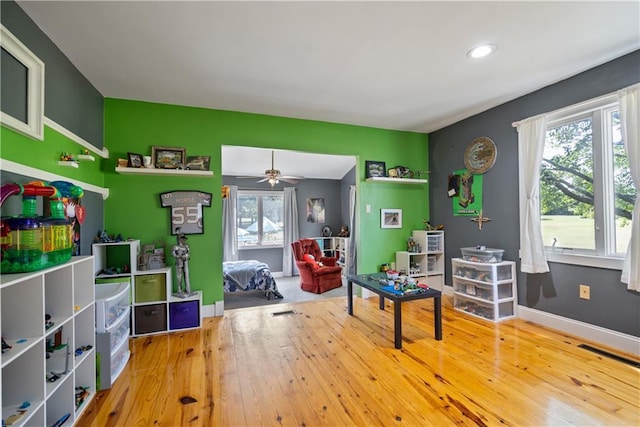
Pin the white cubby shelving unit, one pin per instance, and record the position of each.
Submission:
(154, 308)
(426, 265)
(66, 293)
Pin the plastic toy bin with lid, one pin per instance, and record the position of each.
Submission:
(482, 255)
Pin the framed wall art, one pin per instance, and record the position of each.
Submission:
(168, 157)
(198, 163)
(135, 160)
(374, 169)
(186, 210)
(390, 218)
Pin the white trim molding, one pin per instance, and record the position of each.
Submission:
(34, 127)
(9, 166)
(608, 337)
(104, 153)
(213, 310)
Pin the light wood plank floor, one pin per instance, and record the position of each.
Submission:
(322, 367)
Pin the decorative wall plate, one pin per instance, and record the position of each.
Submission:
(480, 155)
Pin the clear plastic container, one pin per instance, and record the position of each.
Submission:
(482, 255)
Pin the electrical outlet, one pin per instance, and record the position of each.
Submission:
(585, 292)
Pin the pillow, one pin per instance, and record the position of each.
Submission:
(309, 259)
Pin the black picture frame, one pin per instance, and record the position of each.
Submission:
(374, 169)
(135, 160)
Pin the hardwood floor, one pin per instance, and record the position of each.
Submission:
(322, 367)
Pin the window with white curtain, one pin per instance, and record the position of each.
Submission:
(260, 219)
(586, 192)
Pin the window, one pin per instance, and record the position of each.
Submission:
(586, 193)
(260, 219)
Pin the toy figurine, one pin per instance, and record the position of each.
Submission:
(181, 254)
(344, 231)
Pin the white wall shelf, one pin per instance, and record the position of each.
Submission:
(397, 180)
(86, 157)
(166, 172)
(68, 163)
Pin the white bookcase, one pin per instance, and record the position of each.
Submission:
(154, 309)
(485, 290)
(336, 246)
(426, 265)
(66, 293)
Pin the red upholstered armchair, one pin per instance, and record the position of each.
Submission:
(315, 278)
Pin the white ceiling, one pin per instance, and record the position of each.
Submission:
(394, 65)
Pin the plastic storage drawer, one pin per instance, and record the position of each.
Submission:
(150, 287)
(119, 359)
(120, 331)
(481, 290)
(112, 302)
(484, 310)
(184, 315)
(150, 318)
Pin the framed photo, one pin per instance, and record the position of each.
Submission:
(390, 218)
(135, 160)
(374, 169)
(168, 157)
(198, 163)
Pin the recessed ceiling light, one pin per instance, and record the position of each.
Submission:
(482, 51)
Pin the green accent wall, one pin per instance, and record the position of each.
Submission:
(133, 207)
(44, 155)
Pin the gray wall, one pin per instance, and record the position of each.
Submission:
(332, 191)
(611, 305)
(70, 99)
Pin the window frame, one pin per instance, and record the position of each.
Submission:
(604, 255)
(260, 245)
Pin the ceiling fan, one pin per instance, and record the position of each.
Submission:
(273, 176)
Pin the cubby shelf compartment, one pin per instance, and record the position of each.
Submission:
(66, 292)
(167, 172)
(428, 264)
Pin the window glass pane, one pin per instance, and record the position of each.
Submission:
(260, 220)
(625, 193)
(247, 216)
(566, 187)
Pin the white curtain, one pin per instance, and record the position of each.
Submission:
(291, 232)
(629, 99)
(531, 139)
(229, 230)
(352, 230)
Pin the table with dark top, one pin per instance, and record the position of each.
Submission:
(372, 283)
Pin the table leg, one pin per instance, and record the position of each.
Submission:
(350, 297)
(437, 313)
(381, 302)
(397, 323)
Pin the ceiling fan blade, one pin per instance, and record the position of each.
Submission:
(291, 177)
(290, 181)
(264, 179)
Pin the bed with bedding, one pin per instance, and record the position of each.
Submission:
(249, 275)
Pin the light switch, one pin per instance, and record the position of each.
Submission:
(368, 209)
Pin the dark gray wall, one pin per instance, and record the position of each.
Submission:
(611, 305)
(70, 99)
(348, 180)
(92, 203)
(330, 190)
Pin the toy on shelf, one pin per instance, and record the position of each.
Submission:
(103, 237)
(152, 257)
(30, 242)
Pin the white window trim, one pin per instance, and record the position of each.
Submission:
(571, 256)
(34, 127)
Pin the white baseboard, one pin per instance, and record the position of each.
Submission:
(627, 343)
(213, 310)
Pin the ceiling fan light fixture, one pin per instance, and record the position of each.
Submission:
(482, 51)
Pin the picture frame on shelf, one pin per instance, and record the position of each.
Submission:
(375, 168)
(135, 160)
(168, 157)
(198, 163)
(390, 218)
